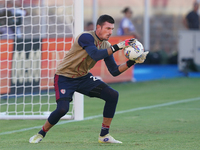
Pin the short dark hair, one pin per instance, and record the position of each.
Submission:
(105, 18)
(126, 9)
(89, 23)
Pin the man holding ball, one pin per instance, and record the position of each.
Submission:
(73, 74)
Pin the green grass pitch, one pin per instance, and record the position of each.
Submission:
(153, 115)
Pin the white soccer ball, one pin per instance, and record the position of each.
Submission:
(134, 51)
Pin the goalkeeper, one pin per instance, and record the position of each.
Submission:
(73, 74)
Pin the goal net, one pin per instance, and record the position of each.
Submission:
(34, 37)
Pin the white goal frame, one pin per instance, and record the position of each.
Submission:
(78, 100)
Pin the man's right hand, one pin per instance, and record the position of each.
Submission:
(122, 44)
(126, 43)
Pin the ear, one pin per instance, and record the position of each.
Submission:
(98, 27)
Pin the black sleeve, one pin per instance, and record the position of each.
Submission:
(112, 66)
(86, 41)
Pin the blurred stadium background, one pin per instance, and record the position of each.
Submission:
(166, 20)
(160, 114)
(52, 21)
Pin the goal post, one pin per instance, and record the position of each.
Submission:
(28, 59)
(78, 26)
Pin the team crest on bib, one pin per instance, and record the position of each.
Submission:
(62, 91)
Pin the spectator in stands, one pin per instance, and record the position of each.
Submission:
(5, 21)
(191, 21)
(89, 26)
(16, 19)
(126, 26)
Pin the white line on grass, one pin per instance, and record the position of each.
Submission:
(118, 112)
(181, 109)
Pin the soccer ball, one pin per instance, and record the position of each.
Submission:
(134, 51)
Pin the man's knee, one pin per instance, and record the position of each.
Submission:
(111, 98)
(62, 111)
(110, 95)
(114, 95)
(63, 106)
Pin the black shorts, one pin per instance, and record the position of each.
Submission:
(65, 87)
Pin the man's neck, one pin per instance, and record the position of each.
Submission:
(97, 36)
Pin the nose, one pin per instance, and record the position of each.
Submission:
(110, 31)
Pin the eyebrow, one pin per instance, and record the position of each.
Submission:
(109, 28)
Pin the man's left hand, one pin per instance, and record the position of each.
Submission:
(142, 58)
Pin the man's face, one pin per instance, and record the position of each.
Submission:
(196, 7)
(129, 14)
(105, 31)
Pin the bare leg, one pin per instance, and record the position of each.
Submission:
(47, 125)
(107, 121)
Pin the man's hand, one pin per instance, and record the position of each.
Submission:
(142, 58)
(122, 44)
(126, 43)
